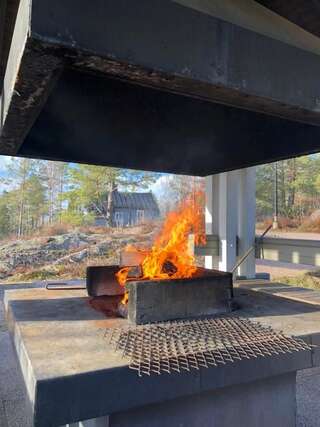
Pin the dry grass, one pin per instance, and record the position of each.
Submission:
(76, 270)
(30, 275)
(60, 229)
(70, 271)
(54, 230)
(284, 223)
(310, 225)
(309, 280)
(306, 224)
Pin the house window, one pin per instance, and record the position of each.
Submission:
(118, 219)
(140, 216)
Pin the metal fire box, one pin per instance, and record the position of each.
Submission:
(101, 281)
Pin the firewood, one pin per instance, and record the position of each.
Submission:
(169, 268)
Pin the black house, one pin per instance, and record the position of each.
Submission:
(129, 209)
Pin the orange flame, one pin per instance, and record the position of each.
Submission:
(170, 256)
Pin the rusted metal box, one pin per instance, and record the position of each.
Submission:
(101, 281)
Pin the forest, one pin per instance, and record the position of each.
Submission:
(38, 193)
(295, 183)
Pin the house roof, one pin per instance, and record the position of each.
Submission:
(145, 201)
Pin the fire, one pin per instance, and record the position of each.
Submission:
(170, 256)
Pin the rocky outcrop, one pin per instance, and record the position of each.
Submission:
(77, 247)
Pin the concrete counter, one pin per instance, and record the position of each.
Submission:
(72, 374)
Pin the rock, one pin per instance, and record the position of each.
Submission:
(24, 256)
(74, 257)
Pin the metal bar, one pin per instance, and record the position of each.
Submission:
(63, 287)
(248, 252)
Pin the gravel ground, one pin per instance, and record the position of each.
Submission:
(13, 399)
(308, 394)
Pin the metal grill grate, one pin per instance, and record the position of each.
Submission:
(194, 344)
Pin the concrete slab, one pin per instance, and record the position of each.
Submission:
(158, 124)
(72, 374)
(296, 293)
(209, 293)
(204, 56)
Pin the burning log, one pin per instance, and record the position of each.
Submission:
(169, 268)
(122, 310)
(135, 272)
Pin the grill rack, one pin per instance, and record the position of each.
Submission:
(178, 346)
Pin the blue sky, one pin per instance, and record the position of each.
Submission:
(4, 160)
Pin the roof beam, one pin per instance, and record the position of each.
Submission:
(160, 44)
(257, 18)
(89, 119)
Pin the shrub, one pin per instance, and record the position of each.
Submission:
(310, 224)
(54, 229)
(284, 223)
(77, 219)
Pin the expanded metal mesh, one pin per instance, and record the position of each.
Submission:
(185, 345)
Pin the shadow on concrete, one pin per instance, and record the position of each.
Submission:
(61, 309)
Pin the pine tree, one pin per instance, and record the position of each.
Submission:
(92, 187)
(5, 223)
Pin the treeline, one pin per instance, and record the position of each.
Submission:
(32, 195)
(295, 183)
(39, 193)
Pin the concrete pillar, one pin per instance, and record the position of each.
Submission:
(221, 217)
(228, 201)
(247, 220)
(212, 214)
(230, 212)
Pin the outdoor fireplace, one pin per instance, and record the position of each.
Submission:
(179, 319)
(164, 282)
(207, 292)
(159, 336)
(163, 86)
